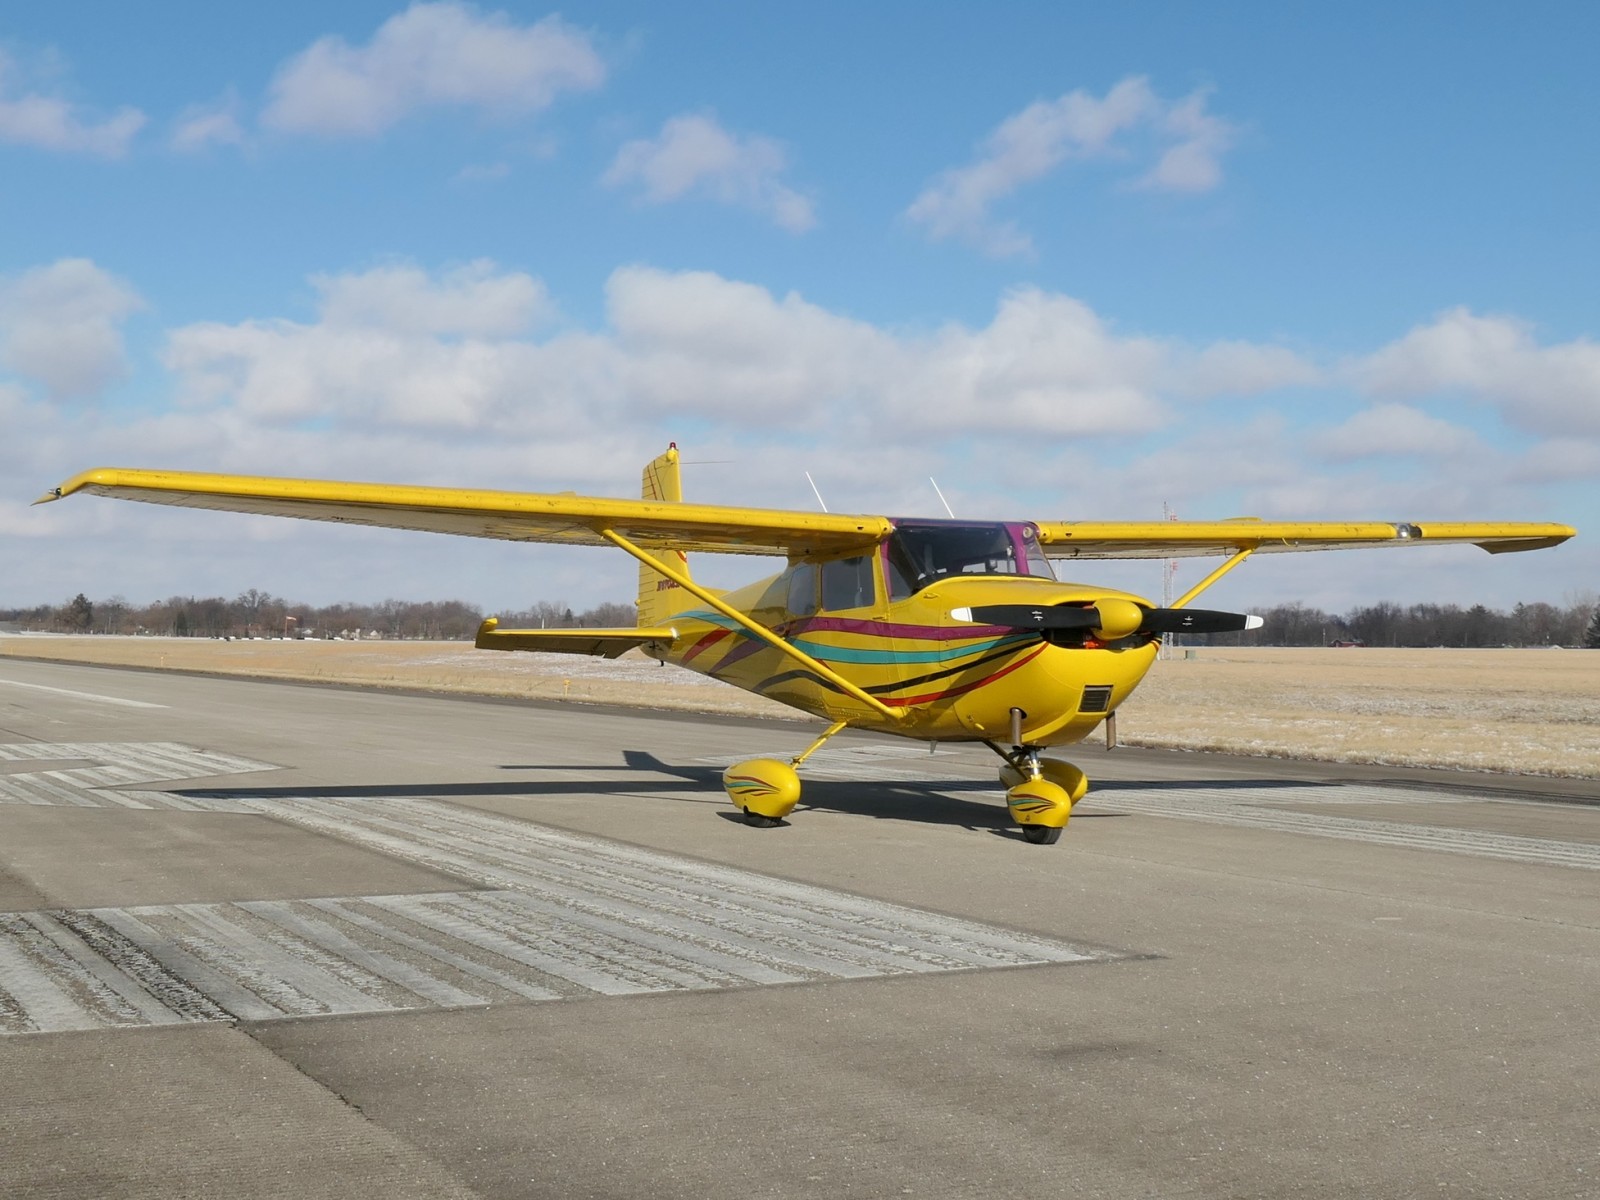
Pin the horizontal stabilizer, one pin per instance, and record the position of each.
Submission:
(603, 643)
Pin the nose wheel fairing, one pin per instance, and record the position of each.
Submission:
(1040, 792)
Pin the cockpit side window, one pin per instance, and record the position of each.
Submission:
(803, 589)
(897, 570)
(847, 583)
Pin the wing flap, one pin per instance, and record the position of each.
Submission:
(601, 643)
(509, 516)
(1193, 539)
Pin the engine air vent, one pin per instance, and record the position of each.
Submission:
(1096, 698)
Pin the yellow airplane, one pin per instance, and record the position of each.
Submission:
(939, 630)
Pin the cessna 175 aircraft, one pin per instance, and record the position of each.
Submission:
(939, 630)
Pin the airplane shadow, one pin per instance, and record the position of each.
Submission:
(923, 801)
(1100, 787)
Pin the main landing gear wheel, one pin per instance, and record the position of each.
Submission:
(1042, 835)
(765, 789)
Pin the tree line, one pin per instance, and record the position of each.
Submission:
(255, 613)
(1577, 623)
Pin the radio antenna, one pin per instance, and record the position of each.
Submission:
(813, 484)
(942, 500)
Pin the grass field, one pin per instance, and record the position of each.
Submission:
(1532, 712)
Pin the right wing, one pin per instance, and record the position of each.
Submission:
(511, 516)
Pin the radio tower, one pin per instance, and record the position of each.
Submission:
(1169, 571)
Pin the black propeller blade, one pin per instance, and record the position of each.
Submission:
(1025, 616)
(1196, 620)
(1070, 617)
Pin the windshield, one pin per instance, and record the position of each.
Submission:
(920, 554)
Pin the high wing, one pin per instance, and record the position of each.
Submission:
(570, 519)
(1191, 539)
(511, 516)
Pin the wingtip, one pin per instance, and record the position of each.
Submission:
(52, 494)
(1254, 622)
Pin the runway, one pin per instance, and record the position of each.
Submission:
(263, 938)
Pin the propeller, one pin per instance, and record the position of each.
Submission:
(1109, 619)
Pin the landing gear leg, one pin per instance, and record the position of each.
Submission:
(768, 789)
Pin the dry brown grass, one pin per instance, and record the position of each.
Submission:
(1520, 711)
(1530, 712)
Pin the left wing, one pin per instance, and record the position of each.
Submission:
(1189, 539)
(511, 516)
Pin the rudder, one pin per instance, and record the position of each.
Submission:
(659, 598)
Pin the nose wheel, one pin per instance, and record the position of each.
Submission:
(1040, 792)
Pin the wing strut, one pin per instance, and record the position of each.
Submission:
(1243, 553)
(760, 631)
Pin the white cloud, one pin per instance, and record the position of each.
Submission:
(695, 155)
(475, 300)
(1034, 142)
(206, 125)
(392, 347)
(61, 325)
(1397, 431)
(695, 343)
(1192, 165)
(396, 347)
(431, 54)
(31, 118)
(1557, 460)
(1240, 368)
(1549, 389)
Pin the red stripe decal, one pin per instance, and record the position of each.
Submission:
(705, 643)
(928, 698)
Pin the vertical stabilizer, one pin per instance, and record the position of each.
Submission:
(660, 599)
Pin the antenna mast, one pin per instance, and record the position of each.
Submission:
(818, 492)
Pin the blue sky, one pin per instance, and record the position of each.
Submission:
(1070, 260)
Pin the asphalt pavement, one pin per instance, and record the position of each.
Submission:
(263, 939)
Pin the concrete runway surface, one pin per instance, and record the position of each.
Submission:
(261, 939)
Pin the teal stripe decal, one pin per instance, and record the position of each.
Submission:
(826, 653)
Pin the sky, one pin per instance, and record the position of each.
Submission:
(1068, 260)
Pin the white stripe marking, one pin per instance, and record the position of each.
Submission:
(39, 687)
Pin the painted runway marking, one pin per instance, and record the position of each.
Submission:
(118, 765)
(39, 687)
(544, 915)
